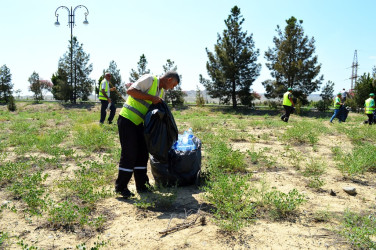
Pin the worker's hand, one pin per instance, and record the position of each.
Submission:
(109, 100)
(127, 85)
(156, 100)
(113, 88)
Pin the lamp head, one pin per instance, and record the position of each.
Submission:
(57, 24)
(86, 22)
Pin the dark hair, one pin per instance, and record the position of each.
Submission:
(172, 74)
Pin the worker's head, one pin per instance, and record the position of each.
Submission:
(107, 75)
(372, 95)
(169, 80)
(339, 94)
(343, 89)
(289, 89)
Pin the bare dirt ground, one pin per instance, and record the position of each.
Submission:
(129, 227)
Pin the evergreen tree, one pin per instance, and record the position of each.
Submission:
(6, 85)
(232, 67)
(326, 97)
(292, 63)
(61, 89)
(80, 86)
(175, 95)
(199, 98)
(116, 81)
(141, 69)
(363, 87)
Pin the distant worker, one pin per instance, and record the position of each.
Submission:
(337, 105)
(344, 95)
(134, 153)
(369, 107)
(104, 96)
(288, 104)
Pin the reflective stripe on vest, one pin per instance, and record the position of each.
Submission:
(101, 96)
(337, 103)
(135, 109)
(370, 106)
(286, 100)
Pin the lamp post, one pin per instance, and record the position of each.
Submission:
(71, 24)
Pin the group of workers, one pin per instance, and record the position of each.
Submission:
(134, 156)
(369, 106)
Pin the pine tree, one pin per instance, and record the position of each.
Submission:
(78, 85)
(363, 87)
(116, 81)
(6, 85)
(232, 67)
(141, 69)
(326, 96)
(292, 63)
(199, 98)
(175, 95)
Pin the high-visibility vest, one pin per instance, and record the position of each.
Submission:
(101, 96)
(370, 105)
(337, 102)
(135, 109)
(286, 100)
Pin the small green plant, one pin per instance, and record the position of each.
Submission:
(12, 104)
(281, 204)
(315, 182)
(322, 216)
(359, 229)
(314, 167)
(97, 245)
(4, 238)
(66, 214)
(221, 156)
(229, 195)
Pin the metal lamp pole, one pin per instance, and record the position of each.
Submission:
(71, 24)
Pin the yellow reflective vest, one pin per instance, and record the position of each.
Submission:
(101, 96)
(135, 109)
(337, 102)
(370, 106)
(286, 100)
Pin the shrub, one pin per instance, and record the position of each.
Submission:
(12, 104)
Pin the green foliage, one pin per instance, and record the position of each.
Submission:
(141, 69)
(363, 87)
(175, 95)
(38, 86)
(97, 245)
(66, 214)
(92, 137)
(221, 156)
(281, 204)
(6, 85)
(31, 190)
(302, 132)
(229, 194)
(359, 230)
(292, 63)
(4, 238)
(232, 66)
(199, 98)
(359, 161)
(12, 104)
(73, 73)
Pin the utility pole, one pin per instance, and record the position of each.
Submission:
(354, 74)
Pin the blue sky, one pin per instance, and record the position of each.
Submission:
(180, 30)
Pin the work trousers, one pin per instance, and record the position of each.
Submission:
(370, 119)
(336, 111)
(104, 105)
(288, 110)
(134, 155)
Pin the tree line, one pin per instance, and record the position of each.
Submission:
(232, 68)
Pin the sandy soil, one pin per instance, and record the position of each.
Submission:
(129, 227)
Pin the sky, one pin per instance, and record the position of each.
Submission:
(179, 30)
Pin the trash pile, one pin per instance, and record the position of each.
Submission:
(175, 159)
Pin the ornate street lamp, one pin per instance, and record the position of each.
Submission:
(71, 24)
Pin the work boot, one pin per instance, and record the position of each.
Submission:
(142, 181)
(121, 184)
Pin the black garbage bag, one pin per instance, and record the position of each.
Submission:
(182, 168)
(160, 131)
(343, 113)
